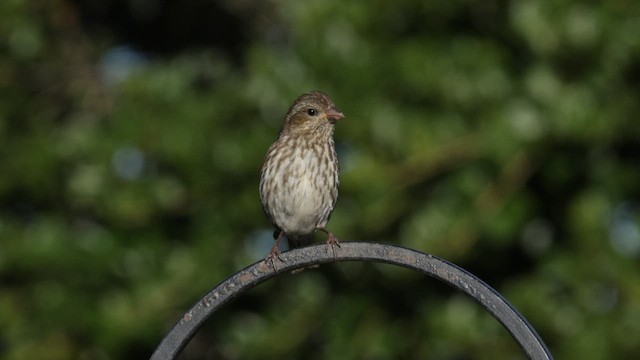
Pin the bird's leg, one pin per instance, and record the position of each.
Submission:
(275, 251)
(332, 241)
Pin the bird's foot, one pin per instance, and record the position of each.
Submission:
(274, 256)
(332, 243)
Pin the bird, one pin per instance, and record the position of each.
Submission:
(299, 176)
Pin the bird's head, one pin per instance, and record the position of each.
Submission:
(311, 112)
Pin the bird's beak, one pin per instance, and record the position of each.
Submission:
(334, 114)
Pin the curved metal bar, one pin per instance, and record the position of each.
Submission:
(449, 273)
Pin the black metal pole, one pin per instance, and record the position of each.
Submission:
(449, 273)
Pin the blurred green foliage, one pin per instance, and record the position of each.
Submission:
(500, 135)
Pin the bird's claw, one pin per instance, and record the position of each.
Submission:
(274, 256)
(332, 242)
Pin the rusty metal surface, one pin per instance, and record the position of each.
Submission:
(449, 273)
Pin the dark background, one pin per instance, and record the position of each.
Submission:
(500, 135)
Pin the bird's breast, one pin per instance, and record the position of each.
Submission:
(307, 185)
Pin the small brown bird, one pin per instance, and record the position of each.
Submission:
(299, 177)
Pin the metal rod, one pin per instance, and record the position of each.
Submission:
(531, 343)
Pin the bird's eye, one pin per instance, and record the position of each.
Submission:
(312, 112)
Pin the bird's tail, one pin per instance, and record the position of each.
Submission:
(297, 241)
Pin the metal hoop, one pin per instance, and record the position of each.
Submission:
(175, 341)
